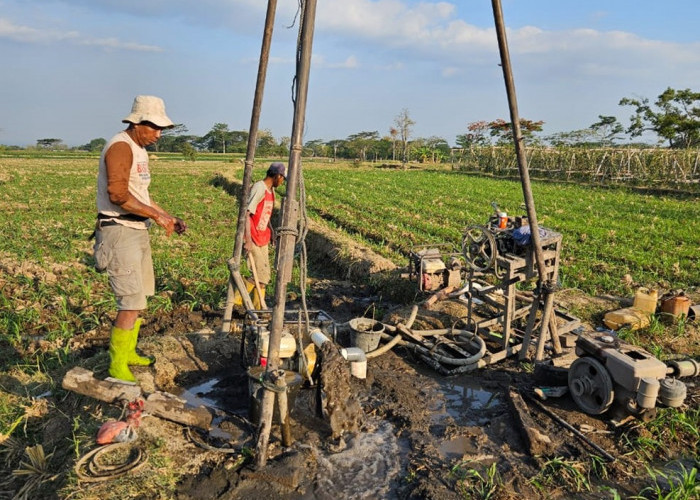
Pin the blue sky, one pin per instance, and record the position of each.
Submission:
(70, 68)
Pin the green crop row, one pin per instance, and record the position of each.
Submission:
(608, 233)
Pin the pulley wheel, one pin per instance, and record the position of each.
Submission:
(479, 248)
(590, 385)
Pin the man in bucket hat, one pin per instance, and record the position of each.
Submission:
(125, 211)
(259, 233)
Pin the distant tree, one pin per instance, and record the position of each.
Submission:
(676, 118)
(608, 129)
(238, 141)
(362, 142)
(48, 143)
(476, 135)
(220, 132)
(188, 151)
(439, 148)
(336, 145)
(266, 143)
(315, 147)
(394, 133)
(503, 130)
(94, 145)
(169, 138)
(404, 126)
(586, 137)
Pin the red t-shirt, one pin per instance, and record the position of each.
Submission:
(260, 231)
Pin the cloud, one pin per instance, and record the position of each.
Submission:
(319, 61)
(27, 34)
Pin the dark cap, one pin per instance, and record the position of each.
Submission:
(276, 168)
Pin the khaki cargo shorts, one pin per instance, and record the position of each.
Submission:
(125, 254)
(262, 262)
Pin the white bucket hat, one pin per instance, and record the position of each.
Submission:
(148, 108)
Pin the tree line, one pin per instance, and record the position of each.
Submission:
(674, 118)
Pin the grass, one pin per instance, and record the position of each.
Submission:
(679, 484)
(559, 471)
(475, 484)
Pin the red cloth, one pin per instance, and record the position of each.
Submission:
(260, 231)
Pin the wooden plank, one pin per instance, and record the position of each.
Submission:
(536, 442)
(82, 381)
(159, 404)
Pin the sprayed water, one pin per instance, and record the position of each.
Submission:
(366, 469)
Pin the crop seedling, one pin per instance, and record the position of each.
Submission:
(473, 484)
(563, 472)
(679, 484)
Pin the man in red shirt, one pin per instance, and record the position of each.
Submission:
(258, 230)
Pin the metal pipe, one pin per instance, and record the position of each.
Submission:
(249, 158)
(522, 161)
(287, 239)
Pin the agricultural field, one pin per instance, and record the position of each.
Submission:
(56, 311)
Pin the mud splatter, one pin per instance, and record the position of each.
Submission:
(344, 411)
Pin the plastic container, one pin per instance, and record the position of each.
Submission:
(365, 333)
(502, 220)
(628, 317)
(676, 306)
(645, 300)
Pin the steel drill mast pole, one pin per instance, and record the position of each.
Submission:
(234, 263)
(524, 174)
(288, 230)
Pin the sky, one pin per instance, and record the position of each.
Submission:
(69, 69)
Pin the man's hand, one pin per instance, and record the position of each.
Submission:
(180, 226)
(166, 222)
(247, 244)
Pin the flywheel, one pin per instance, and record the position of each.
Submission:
(590, 385)
(479, 248)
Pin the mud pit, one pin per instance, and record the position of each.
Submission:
(417, 431)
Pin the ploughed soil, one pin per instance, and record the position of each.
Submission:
(402, 432)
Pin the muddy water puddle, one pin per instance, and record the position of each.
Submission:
(202, 394)
(465, 400)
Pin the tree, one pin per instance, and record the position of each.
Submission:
(503, 130)
(335, 145)
(676, 119)
(94, 145)
(361, 142)
(265, 143)
(586, 137)
(476, 135)
(48, 143)
(404, 125)
(168, 138)
(220, 131)
(316, 147)
(608, 129)
(394, 133)
(188, 151)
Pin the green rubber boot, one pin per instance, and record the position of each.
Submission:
(133, 358)
(119, 345)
